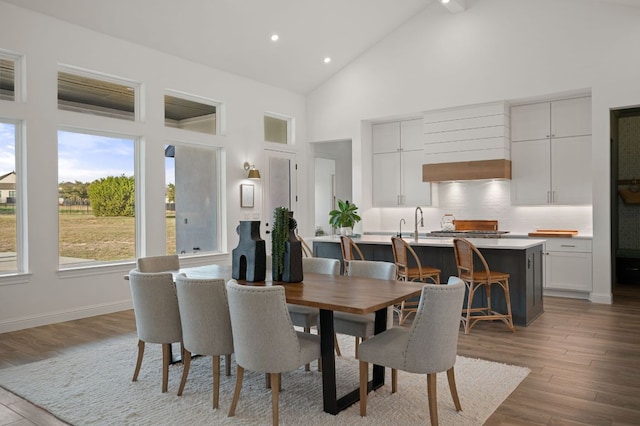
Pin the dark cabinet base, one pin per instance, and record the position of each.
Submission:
(523, 266)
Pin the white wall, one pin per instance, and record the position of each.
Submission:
(47, 295)
(495, 50)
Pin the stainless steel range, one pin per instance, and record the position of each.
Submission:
(467, 234)
(470, 229)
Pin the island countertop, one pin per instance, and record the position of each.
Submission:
(521, 258)
(489, 243)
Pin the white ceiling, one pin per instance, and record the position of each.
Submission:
(233, 35)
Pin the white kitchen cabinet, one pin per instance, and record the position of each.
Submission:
(397, 165)
(551, 153)
(568, 265)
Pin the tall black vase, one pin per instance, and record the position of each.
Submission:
(249, 258)
(292, 270)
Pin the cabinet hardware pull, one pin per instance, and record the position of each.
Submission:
(567, 245)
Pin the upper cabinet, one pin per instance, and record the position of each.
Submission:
(551, 152)
(397, 165)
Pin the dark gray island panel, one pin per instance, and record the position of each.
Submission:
(523, 265)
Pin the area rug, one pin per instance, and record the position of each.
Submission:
(94, 388)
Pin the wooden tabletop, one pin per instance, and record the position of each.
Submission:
(356, 295)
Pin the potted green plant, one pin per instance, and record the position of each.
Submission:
(344, 217)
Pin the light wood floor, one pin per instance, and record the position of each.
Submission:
(583, 357)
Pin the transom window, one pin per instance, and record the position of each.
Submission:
(8, 81)
(277, 129)
(93, 94)
(191, 113)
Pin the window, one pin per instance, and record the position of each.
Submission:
(95, 94)
(8, 214)
(96, 198)
(7, 78)
(277, 129)
(193, 181)
(191, 113)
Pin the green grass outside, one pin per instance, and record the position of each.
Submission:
(85, 236)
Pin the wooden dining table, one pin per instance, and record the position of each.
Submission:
(329, 293)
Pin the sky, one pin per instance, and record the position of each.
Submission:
(81, 157)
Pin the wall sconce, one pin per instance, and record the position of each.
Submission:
(253, 172)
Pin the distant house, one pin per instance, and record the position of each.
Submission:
(8, 188)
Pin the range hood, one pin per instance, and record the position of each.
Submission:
(466, 170)
(467, 142)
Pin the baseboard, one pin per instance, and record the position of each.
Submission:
(565, 293)
(47, 318)
(606, 298)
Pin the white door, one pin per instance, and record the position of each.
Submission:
(279, 188)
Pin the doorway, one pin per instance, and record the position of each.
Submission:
(625, 200)
(332, 180)
(280, 187)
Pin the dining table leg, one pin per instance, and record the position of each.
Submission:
(331, 403)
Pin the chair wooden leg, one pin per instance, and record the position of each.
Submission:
(467, 321)
(364, 379)
(216, 380)
(307, 367)
(507, 297)
(186, 364)
(454, 390)
(401, 317)
(236, 392)
(139, 361)
(394, 380)
(166, 359)
(275, 396)
(433, 398)
(267, 380)
(335, 343)
(357, 345)
(227, 364)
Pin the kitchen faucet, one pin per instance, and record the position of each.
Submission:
(400, 233)
(415, 234)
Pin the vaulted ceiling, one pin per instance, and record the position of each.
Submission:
(234, 35)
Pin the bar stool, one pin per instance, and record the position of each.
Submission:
(401, 249)
(349, 250)
(474, 280)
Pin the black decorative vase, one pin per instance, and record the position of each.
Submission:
(292, 257)
(249, 259)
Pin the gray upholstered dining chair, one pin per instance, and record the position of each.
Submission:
(305, 316)
(362, 326)
(264, 339)
(169, 262)
(206, 325)
(155, 306)
(428, 347)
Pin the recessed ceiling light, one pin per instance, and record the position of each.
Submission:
(327, 60)
(444, 1)
(275, 37)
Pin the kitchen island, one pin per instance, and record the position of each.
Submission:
(521, 258)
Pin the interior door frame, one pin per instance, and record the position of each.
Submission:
(267, 206)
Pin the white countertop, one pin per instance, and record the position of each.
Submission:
(492, 243)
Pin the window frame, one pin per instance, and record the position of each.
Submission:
(290, 128)
(19, 87)
(21, 272)
(139, 222)
(219, 105)
(221, 211)
(139, 112)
